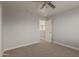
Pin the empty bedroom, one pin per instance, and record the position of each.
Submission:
(39, 28)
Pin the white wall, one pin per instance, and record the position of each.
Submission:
(0, 30)
(66, 28)
(19, 27)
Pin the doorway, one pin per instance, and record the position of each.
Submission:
(46, 30)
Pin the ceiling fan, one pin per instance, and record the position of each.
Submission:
(46, 3)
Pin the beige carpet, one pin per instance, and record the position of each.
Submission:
(43, 49)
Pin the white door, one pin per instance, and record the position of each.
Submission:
(48, 36)
(42, 29)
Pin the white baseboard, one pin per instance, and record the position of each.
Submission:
(21, 45)
(65, 45)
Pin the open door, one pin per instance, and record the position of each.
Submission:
(48, 31)
(42, 29)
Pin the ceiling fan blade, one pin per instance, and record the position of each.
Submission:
(43, 5)
(51, 5)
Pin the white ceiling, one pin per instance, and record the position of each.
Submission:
(61, 6)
